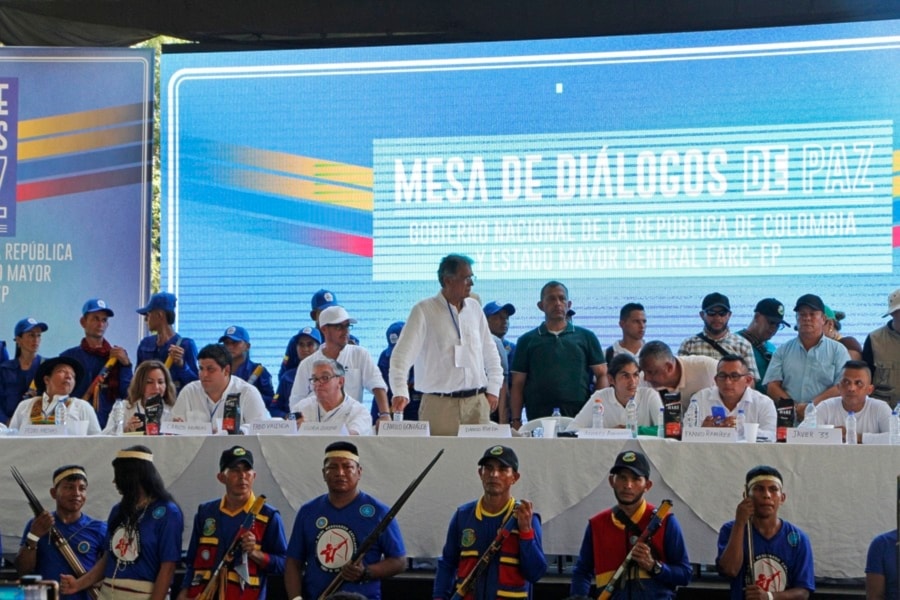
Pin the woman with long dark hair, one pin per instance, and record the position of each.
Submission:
(17, 374)
(143, 542)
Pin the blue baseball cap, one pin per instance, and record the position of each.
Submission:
(310, 332)
(96, 305)
(492, 308)
(26, 325)
(393, 332)
(236, 334)
(323, 299)
(159, 301)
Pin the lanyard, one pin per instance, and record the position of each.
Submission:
(453, 318)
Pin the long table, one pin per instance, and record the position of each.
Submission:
(841, 496)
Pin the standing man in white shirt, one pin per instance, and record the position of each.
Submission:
(202, 401)
(447, 339)
(360, 369)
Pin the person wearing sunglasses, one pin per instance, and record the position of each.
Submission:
(716, 340)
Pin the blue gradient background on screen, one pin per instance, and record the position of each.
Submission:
(233, 255)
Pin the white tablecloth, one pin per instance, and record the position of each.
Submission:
(841, 496)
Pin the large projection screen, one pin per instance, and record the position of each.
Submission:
(652, 168)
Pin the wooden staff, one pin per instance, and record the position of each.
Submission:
(655, 522)
(370, 540)
(58, 539)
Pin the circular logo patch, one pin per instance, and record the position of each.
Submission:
(793, 539)
(125, 545)
(335, 547)
(367, 510)
(629, 457)
(468, 538)
(159, 512)
(321, 523)
(497, 450)
(209, 526)
(238, 451)
(83, 547)
(204, 554)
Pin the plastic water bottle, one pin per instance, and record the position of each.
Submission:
(739, 425)
(692, 414)
(661, 424)
(61, 418)
(631, 417)
(850, 426)
(895, 426)
(118, 416)
(556, 413)
(809, 417)
(397, 416)
(597, 415)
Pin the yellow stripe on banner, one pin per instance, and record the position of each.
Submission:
(306, 166)
(896, 186)
(76, 121)
(326, 193)
(896, 156)
(79, 142)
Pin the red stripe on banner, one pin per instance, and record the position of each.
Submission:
(78, 183)
(896, 236)
(333, 240)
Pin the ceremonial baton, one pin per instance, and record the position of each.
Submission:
(228, 557)
(484, 560)
(652, 527)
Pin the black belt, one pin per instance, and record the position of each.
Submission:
(460, 393)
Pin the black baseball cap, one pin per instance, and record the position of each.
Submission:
(504, 454)
(810, 300)
(633, 461)
(233, 456)
(772, 309)
(716, 299)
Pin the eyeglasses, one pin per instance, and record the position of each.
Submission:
(717, 313)
(730, 376)
(341, 326)
(322, 379)
(468, 279)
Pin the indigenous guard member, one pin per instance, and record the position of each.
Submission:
(238, 536)
(84, 535)
(493, 548)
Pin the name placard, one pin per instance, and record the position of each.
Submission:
(32, 430)
(485, 430)
(273, 427)
(312, 428)
(797, 435)
(185, 428)
(604, 434)
(709, 435)
(883, 439)
(404, 429)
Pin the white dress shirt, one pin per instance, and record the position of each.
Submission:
(360, 372)
(77, 410)
(194, 406)
(648, 405)
(452, 350)
(349, 412)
